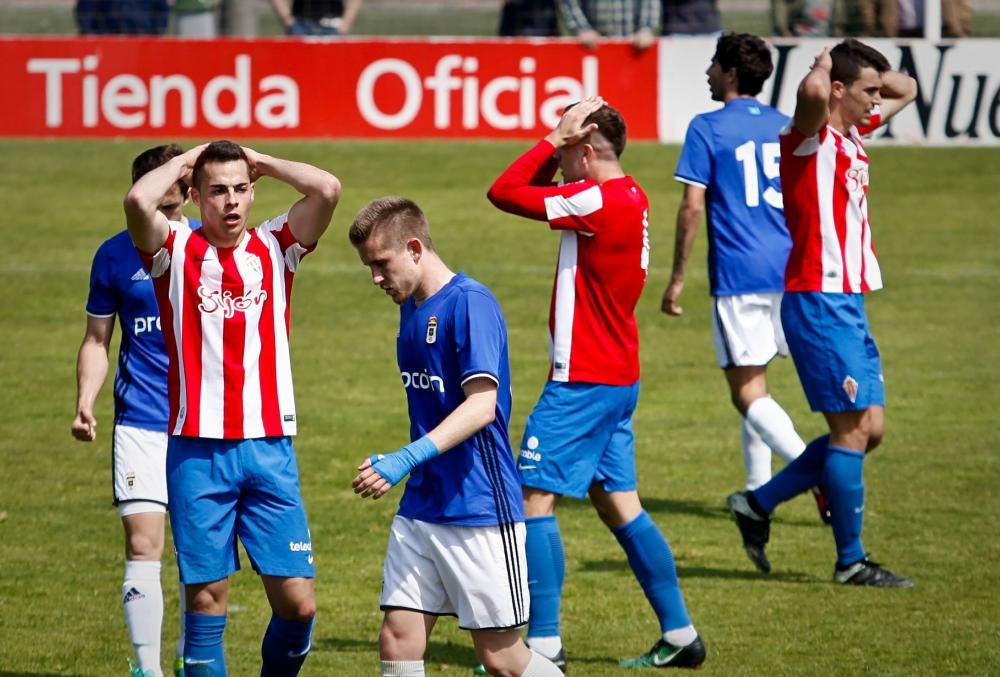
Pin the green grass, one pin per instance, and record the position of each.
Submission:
(931, 511)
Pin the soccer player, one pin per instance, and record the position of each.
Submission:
(578, 440)
(224, 293)
(730, 161)
(849, 91)
(119, 286)
(456, 546)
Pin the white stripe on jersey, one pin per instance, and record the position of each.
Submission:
(176, 295)
(282, 359)
(852, 227)
(581, 204)
(252, 276)
(826, 164)
(212, 411)
(565, 306)
(872, 271)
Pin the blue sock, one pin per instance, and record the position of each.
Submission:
(285, 647)
(203, 652)
(804, 473)
(546, 571)
(844, 487)
(653, 565)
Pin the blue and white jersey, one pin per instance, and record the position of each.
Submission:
(119, 285)
(458, 334)
(733, 153)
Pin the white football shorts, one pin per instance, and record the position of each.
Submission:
(139, 469)
(746, 329)
(479, 574)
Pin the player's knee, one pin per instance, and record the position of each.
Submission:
(874, 439)
(143, 546)
(393, 645)
(304, 611)
(498, 663)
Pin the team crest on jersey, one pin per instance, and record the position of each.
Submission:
(252, 264)
(850, 387)
(432, 330)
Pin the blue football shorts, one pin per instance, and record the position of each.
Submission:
(223, 489)
(833, 350)
(578, 434)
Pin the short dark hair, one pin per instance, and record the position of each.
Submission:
(850, 56)
(151, 158)
(218, 151)
(751, 58)
(610, 124)
(397, 219)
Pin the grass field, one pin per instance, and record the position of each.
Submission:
(932, 511)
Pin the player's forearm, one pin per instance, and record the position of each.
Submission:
(146, 225)
(896, 85)
(517, 189)
(688, 218)
(91, 372)
(310, 216)
(475, 413)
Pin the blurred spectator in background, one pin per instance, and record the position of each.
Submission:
(809, 18)
(317, 17)
(589, 20)
(691, 17)
(196, 18)
(118, 17)
(955, 15)
(531, 18)
(875, 17)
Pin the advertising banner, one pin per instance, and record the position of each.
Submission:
(959, 81)
(291, 88)
(437, 88)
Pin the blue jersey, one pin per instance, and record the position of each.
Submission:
(119, 285)
(733, 153)
(455, 335)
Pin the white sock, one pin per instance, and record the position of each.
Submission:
(775, 428)
(681, 636)
(402, 669)
(142, 602)
(540, 666)
(182, 598)
(756, 456)
(547, 646)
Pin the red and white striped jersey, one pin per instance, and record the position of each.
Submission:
(225, 316)
(824, 181)
(603, 260)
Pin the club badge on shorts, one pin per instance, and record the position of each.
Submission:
(432, 330)
(851, 388)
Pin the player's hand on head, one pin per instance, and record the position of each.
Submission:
(823, 59)
(571, 129)
(254, 158)
(84, 426)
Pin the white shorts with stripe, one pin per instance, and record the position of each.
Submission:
(139, 468)
(746, 329)
(479, 574)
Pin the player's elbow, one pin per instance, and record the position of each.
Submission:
(910, 89)
(329, 189)
(495, 196)
(137, 204)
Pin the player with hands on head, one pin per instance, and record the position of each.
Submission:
(729, 168)
(456, 545)
(850, 91)
(224, 293)
(578, 440)
(120, 287)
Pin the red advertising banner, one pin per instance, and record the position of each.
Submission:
(289, 88)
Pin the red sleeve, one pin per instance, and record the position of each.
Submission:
(157, 263)
(523, 187)
(873, 124)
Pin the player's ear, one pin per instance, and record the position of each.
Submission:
(194, 195)
(415, 248)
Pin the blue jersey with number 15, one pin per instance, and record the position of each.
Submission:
(733, 153)
(456, 335)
